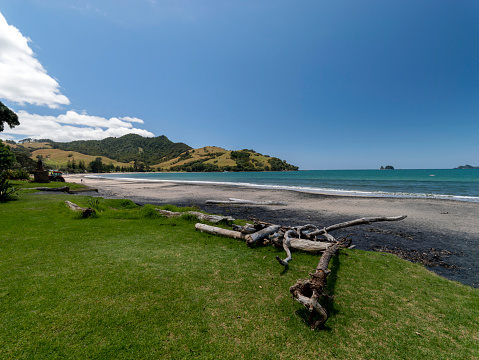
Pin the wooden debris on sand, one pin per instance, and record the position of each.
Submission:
(64, 189)
(234, 201)
(308, 238)
(86, 212)
(200, 216)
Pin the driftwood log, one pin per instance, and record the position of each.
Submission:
(361, 221)
(308, 246)
(200, 216)
(234, 201)
(261, 234)
(65, 189)
(86, 212)
(308, 292)
(220, 231)
(246, 229)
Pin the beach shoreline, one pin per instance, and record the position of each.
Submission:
(441, 234)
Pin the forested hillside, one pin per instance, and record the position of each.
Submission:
(127, 148)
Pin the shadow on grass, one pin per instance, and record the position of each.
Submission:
(327, 301)
(285, 270)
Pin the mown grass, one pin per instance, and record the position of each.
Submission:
(130, 284)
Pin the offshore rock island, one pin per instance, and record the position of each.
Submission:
(467, 167)
(132, 153)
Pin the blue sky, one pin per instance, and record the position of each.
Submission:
(322, 84)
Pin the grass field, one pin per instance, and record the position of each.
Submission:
(128, 284)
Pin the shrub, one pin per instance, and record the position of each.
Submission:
(94, 203)
(149, 211)
(6, 189)
(21, 174)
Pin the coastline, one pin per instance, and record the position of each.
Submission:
(441, 234)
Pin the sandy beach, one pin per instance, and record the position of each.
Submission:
(441, 234)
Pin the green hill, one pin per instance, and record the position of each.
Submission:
(127, 148)
(210, 158)
(136, 153)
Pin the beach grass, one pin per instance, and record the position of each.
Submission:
(130, 284)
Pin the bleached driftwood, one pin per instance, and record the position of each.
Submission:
(365, 220)
(286, 247)
(308, 292)
(246, 229)
(200, 216)
(220, 231)
(308, 246)
(86, 212)
(261, 234)
(234, 201)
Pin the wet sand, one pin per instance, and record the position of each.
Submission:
(441, 234)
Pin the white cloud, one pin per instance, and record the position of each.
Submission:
(23, 78)
(72, 126)
(131, 119)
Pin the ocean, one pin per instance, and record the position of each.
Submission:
(457, 184)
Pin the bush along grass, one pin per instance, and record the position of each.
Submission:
(7, 190)
(130, 284)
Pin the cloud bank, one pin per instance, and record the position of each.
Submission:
(23, 78)
(72, 126)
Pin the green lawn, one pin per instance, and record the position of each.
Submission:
(128, 284)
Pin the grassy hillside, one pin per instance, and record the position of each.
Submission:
(150, 154)
(60, 158)
(30, 145)
(210, 158)
(129, 284)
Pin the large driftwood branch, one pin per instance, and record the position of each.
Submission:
(261, 234)
(286, 247)
(200, 216)
(306, 229)
(365, 220)
(220, 231)
(308, 246)
(86, 212)
(308, 292)
(233, 201)
(246, 229)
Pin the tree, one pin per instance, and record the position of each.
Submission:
(7, 116)
(96, 166)
(82, 166)
(7, 158)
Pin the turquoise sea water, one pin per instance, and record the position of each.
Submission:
(460, 185)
